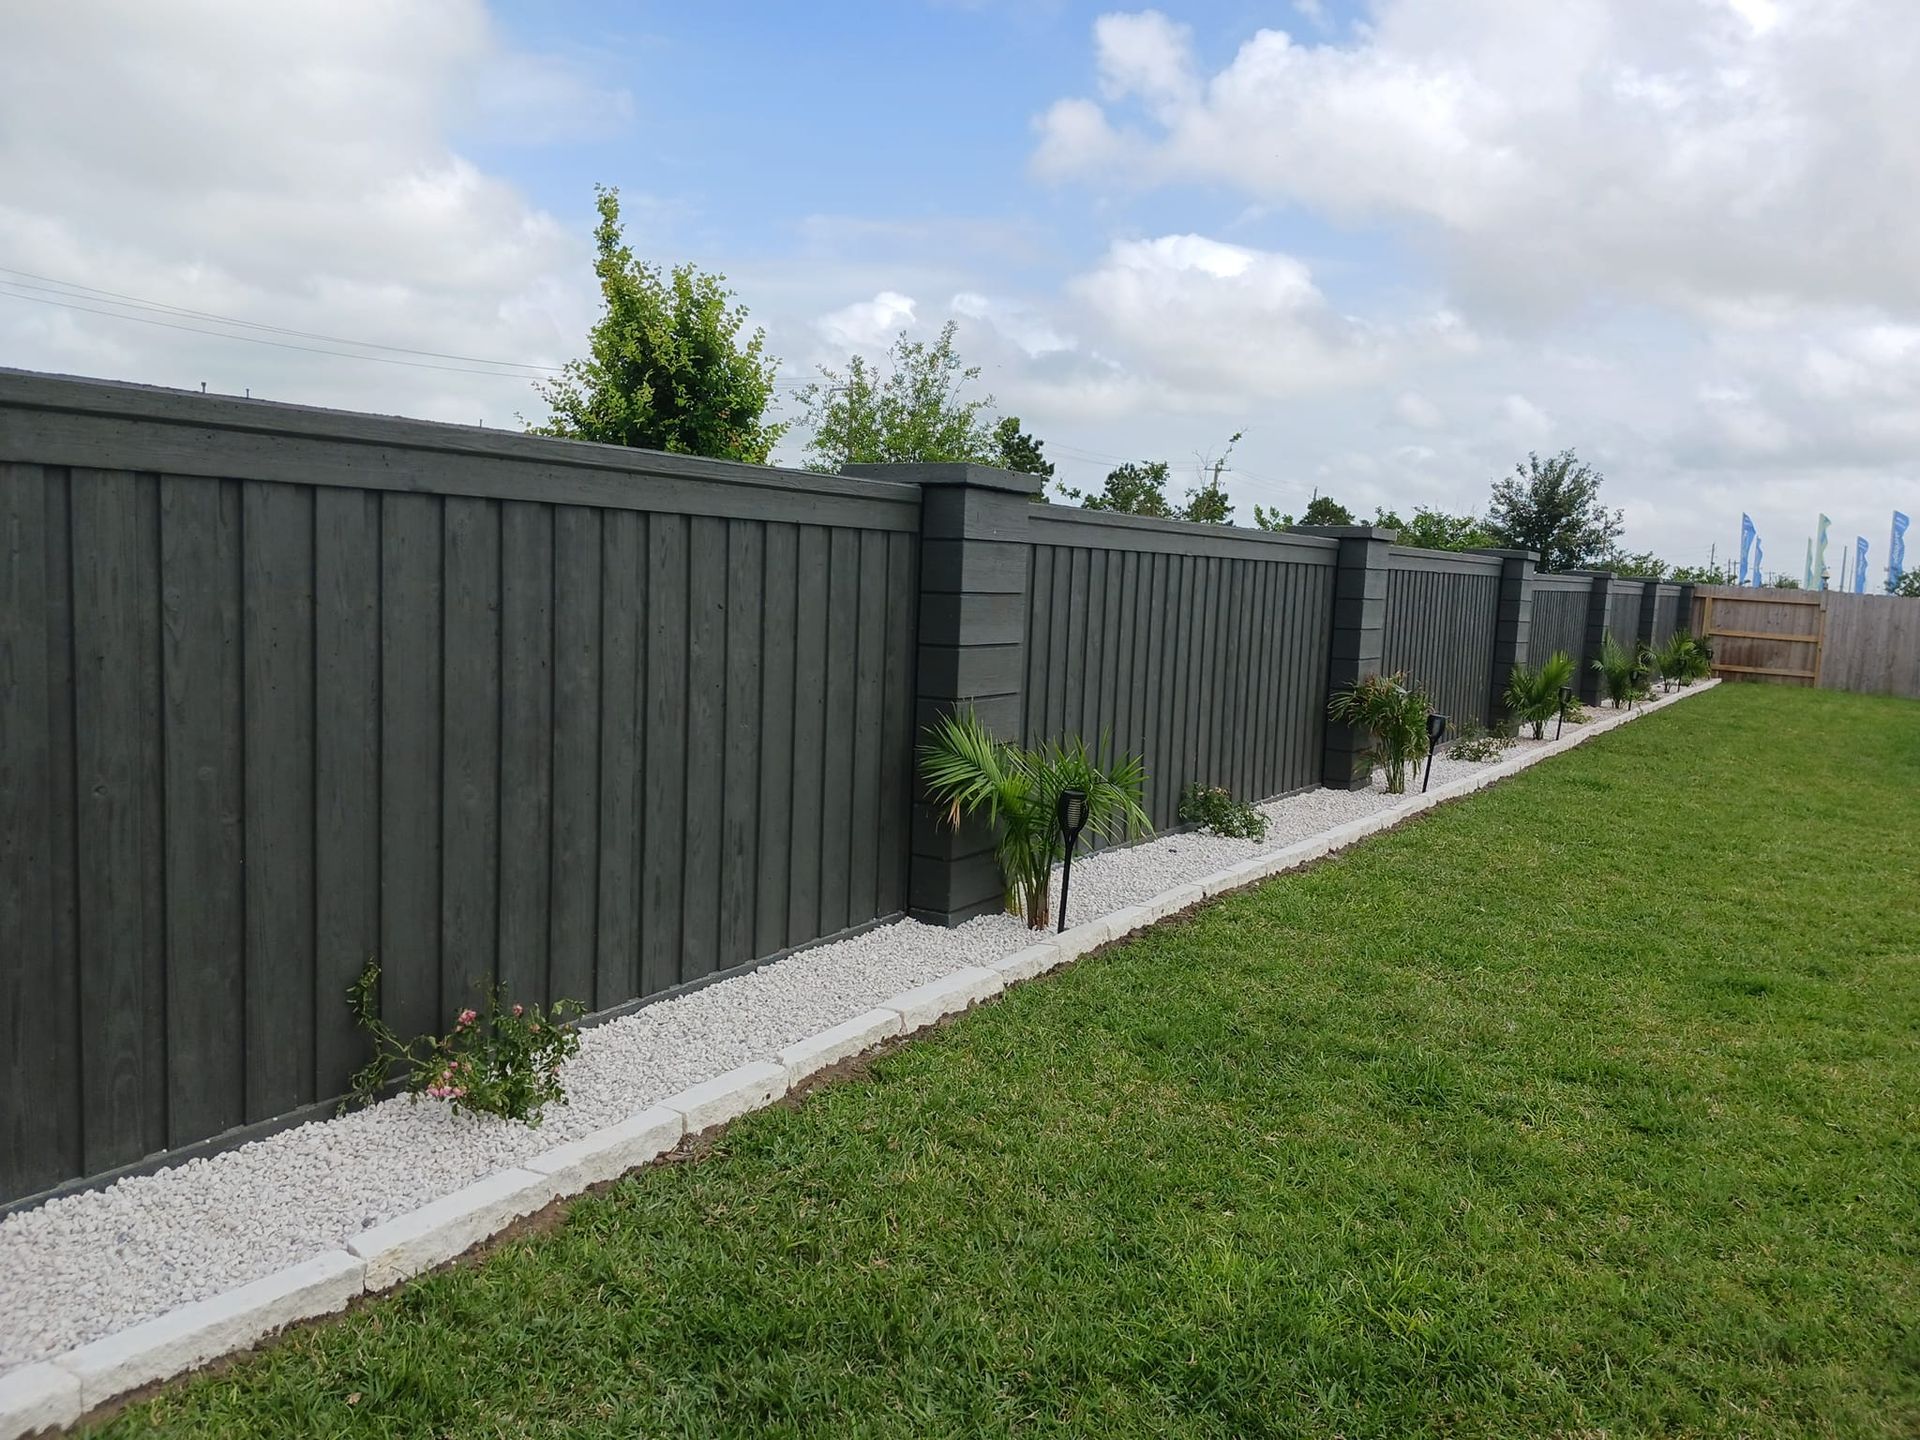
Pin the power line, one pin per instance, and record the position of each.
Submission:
(259, 339)
(64, 288)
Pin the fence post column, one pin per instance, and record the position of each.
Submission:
(1359, 639)
(1649, 614)
(1513, 620)
(974, 558)
(1599, 614)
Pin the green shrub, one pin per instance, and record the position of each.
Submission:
(1214, 808)
(968, 772)
(1622, 672)
(1533, 694)
(1471, 742)
(1394, 714)
(503, 1062)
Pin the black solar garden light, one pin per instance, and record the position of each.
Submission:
(1436, 727)
(1566, 699)
(1072, 814)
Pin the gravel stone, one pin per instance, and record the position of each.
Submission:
(88, 1265)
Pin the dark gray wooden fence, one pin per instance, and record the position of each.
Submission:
(1202, 649)
(1623, 613)
(584, 722)
(282, 690)
(1666, 613)
(1440, 626)
(1559, 617)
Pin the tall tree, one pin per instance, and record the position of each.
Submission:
(1437, 530)
(666, 368)
(1325, 510)
(1019, 451)
(1208, 504)
(1135, 488)
(1553, 506)
(1642, 565)
(910, 411)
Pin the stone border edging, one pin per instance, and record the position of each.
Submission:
(53, 1393)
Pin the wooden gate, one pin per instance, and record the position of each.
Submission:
(1770, 636)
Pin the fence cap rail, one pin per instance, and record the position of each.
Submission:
(116, 400)
(1178, 537)
(1441, 562)
(986, 477)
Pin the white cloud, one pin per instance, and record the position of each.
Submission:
(868, 325)
(291, 164)
(1683, 154)
(1227, 325)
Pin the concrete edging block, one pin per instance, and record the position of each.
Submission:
(609, 1152)
(204, 1330)
(1077, 940)
(1129, 921)
(841, 1042)
(925, 1004)
(36, 1397)
(445, 1228)
(745, 1088)
(1027, 963)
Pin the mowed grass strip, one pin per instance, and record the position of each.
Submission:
(1587, 1106)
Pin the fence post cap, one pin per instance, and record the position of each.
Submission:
(1507, 553)
(1347, 532)
(983, 477)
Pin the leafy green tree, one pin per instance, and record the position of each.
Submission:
(1908, 584)
(1437, 530)
(1643, 565)
(1266, 519)
(1135, 488)
(1019, 451)
(1553, 506)
(1325, 510)
(1720, 574)
(909, 411)
(1207, 504)
(666, 368)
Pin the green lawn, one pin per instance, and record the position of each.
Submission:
(1587, 1106)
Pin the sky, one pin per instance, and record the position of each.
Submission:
(1398, 244)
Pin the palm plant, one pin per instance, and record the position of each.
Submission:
(968, 772)
(1394, 714)
(1676, 661)
(1533, 693)
(1621, 671)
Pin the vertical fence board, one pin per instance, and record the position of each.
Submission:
(863, 878)
(114, 994)
(470, 824)
(667, 740)
(64, 1091)
(575, 877)
(706, 718)
(200, 588)
(35, 998)
(836, 806)
(898, 764)
(777, 687)
(410, 742)
(346, 769)
(809, 736)
(623, 600)
(739, 861)
(527, 629)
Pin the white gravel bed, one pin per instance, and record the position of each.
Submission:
(90, 1264)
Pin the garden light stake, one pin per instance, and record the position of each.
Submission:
(1072, 814)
